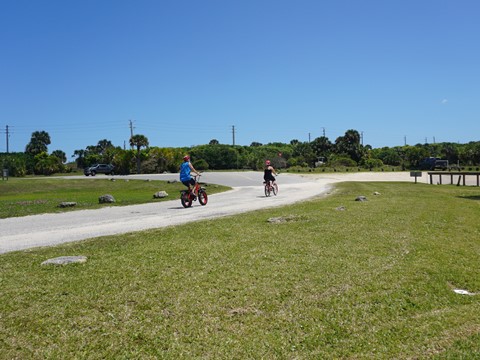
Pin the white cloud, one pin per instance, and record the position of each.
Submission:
(444, 101)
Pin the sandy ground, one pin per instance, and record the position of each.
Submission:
(247, 195)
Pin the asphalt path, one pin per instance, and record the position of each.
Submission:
(247, 195)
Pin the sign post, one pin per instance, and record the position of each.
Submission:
(415, 174)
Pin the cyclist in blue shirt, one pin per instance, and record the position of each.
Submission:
(185, 173)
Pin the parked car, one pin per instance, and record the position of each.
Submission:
(432, 163)
(93, 170)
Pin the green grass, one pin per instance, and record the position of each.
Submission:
(21, 197)
(373, 281)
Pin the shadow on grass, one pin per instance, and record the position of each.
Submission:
(473, 197)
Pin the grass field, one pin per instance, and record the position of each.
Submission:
(374, 280)
(21, 197)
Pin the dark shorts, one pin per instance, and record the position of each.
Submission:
(271, 178)
(187, 183)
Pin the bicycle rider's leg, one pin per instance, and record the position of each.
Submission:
(191, 187)
(187, 184)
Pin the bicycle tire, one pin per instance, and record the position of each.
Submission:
(202, 197)
(185, 199)
(267, 190)
(275, 189)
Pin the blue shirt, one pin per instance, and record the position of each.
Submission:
(185, 171)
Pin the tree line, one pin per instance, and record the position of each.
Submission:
(345, 151)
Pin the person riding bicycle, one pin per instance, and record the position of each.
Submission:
(269, 172)
(185, 174)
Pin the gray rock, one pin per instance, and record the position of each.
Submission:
(281, 219)
(341, 208)
(65, 204)
(361, 198)
(64, 260)
(160, 195)
(106, 199)
(172, 181)
(376, 193)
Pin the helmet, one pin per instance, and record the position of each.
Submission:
(186, 158)
(267, 162)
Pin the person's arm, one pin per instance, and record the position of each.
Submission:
(273, 171)
(193, 169)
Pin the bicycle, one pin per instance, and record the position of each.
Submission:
(270, 187)
(187, 197)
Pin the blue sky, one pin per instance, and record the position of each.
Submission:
(186, 71)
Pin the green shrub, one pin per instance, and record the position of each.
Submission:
(342, 161)
(373, 163)
(200, 164)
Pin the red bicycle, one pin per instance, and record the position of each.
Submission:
(270, 187)
(188, 197)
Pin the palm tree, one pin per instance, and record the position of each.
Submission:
(60, 155)
(103, 145)
(349, 145)
(138, 141)
(38, 143)
(80, 158)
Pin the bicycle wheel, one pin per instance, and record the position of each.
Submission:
(202, 197)
(185, 199)
(275, 189)
(267, 190)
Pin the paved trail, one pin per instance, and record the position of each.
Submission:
(247, 195)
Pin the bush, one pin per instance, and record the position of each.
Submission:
(342, 161)
(200, 164)
(47, 164)
(298, 169)
(373, 163)
(15, 163)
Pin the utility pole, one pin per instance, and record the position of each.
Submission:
(233, 141)
(434, 139)
(405, 140)
(361, 137)
(308, 137)
(8, 135)
(131, 128)
(131, 131)
(323, 131)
